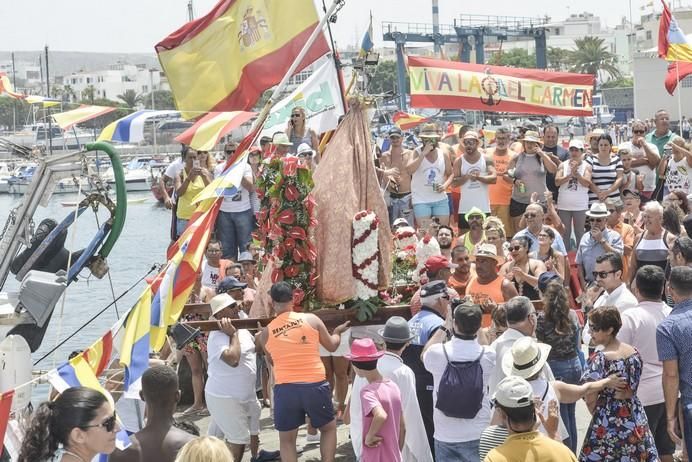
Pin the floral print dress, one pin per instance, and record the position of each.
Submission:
(618, 430)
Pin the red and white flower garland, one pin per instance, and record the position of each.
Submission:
(426, 248)
(365, 253)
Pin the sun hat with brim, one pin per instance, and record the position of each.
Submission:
(598, 210)
(594, 133)
(304, 149)
(472, 212)
(526, 358)
(396, 330)
(281, 139)
(220, 302)
(532, 136)
(487, 251)
(514, 392)
(429, 131)
(362, 350)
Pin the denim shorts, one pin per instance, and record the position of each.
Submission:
(466, 451)
(292, 401)
(431, 209)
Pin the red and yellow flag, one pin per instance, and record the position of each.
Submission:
(205, 133)
(406, 121)
(226, 59)
(673, 45)
(6, 87)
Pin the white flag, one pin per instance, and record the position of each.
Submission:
(318, 95)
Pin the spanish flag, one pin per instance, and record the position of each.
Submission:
(406, 121)
(226, 59)
(672, 43)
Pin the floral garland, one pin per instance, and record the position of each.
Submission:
(426, 248)
(365, 253)
(285, 217)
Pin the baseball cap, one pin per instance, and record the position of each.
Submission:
(400, 222)
(470, 135)
(265, 139)
(281, 292)
(468, 314)
(229, 283)
(546, 278)
(438, 262)
(631, 192)
(579, 144)
(514, 392)
(396, 131)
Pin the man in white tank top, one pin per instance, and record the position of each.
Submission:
(472, 171)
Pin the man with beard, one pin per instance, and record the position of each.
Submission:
(397, 178)
(488, 288)
(462, 274)
(472, 171)
(475, 235)
(557, 153)
(534, 215)
(445, 237)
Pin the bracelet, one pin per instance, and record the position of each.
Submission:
(444, 329)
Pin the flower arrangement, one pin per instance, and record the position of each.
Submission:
(405, 237)
(364, 254)
(426, 248)
(285, 217)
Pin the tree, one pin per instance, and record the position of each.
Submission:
(592, 57)
(385, 79)
(88, 94)
(516, 57)
(68, 93)
(13, 111)
(130, 98)
(622, 82)
(558, 58)
(163, 100)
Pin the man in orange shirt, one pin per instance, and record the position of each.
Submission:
(500, 192)
(292, 342)
(616, 222)
(462, 274)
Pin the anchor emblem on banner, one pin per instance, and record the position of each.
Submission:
(490, 87)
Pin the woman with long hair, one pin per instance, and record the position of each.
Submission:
(522, 270)
(558, 326)
(619, 429)
(554, 260)
(606, 172)
(81, 420)
(191, 181)
(672, 219)
(298, 131)
(679, 198)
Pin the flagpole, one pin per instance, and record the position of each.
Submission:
(280, 87)
(679, 86)
(337, 60)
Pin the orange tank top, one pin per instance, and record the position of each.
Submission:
(294, 346)
(500, 192)
(481, 293)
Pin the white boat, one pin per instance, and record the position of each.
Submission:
(137, 174)
(601, 112)
(37, 135)
(5, 174)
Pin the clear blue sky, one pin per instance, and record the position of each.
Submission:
(136, 25)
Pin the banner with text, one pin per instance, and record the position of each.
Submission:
(453, 85)
(318, 95)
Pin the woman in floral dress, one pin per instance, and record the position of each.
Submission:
(619, 430)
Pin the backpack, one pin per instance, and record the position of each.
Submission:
(460, 392)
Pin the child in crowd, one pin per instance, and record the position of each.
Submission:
(383, 421)
(631, 179)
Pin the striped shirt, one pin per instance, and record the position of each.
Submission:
(604, 176)
(492, 437)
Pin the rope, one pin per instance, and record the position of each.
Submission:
(151, 270)
(110, 280)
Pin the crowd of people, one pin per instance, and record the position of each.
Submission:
(564, 275)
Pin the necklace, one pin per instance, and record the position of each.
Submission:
(76, 456)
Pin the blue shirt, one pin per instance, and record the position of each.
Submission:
(674, 341)
(558, 243)
(423, 325)
(589, 250)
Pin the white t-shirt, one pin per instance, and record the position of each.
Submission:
(174, 168)
(241, 201)
(225, 381)
(474, 193)
(450, 429)
(543, 390)
(648, 172)
(210, 275)
(678, 175)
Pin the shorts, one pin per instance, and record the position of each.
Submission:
(431, 209)
(656, 415)
(292, 401)
(516, 209)
(236, 419)
(342, 349)
(463, 224)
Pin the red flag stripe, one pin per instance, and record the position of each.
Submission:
(671, 82)
(5, 408)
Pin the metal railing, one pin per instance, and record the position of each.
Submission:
(509, 22)
(415, 28)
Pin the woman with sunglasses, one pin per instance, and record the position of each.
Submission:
(573, 178)
(619, 429)
(522, 270)
(494, 232)
(298, 132)
(81, 420)
(680, 199)
(653, 244)
(606, 172)
(554, 260)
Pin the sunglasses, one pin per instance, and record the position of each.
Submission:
(530, 215)
(230, 151)
(515, 248)
(602, 274)
(475, 217)
(638, 132)
(597, 220)
(394, 137)
(293, 116)
(108, 424)
(612, 211)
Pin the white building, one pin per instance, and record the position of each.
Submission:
(116, 80)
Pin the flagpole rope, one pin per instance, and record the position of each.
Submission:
(153, 268)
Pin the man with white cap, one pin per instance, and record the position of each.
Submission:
(396, 335)
(573, 179)
(230, 388)
(514, 402)
(599, 241)
(472, 171)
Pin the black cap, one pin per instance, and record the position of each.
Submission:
(281, 292)
(546, 278)
(530, 126)
(631, 192)
(433, 288)
(468, 315)
(229, 283)
(265, 139)
(395, 131)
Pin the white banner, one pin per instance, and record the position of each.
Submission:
(318, 95)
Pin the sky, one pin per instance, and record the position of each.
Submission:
(137, 25)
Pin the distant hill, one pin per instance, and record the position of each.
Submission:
(66, 62)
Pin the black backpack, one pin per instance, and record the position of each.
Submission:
(460, 392)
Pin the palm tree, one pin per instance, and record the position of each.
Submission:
(558, 58)
(89, 93)
(593, 57)
(130, 98)
(68, 93)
